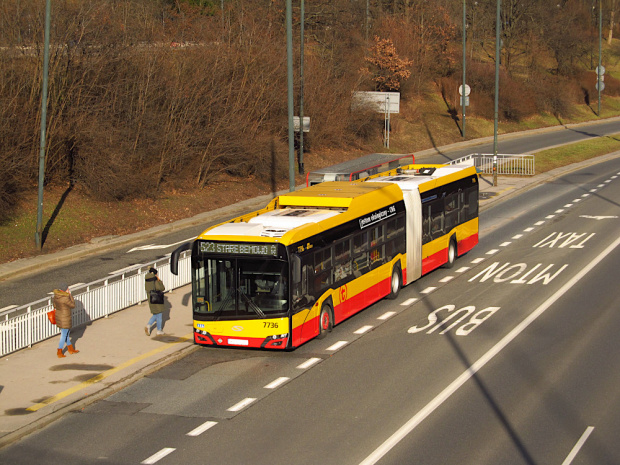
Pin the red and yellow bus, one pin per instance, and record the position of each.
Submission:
(278, 277)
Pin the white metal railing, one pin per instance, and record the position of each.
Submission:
(523, 165)
(23, 326)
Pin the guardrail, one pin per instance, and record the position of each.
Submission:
(522, 165)
(23, 326)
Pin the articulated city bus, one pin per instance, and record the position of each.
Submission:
(278, 277)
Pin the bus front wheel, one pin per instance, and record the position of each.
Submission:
(326, 322)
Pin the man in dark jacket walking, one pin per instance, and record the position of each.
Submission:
(64, 305)
(153, 283)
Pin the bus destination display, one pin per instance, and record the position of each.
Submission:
(239, 248)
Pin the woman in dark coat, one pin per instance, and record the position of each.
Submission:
(153, 283)
(64, 305)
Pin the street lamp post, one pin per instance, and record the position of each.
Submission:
(38, 236)
(289, 71)
(497, 55)
(599, 74)
(463, 97)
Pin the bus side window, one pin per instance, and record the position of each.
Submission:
(322, 268)
(437, 219)
(426, 224)
(342, 260)
(472, 211)
(451, 203)
(360, 253)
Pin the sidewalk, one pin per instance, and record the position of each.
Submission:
(37, 388)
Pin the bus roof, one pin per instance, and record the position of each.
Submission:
(309, 211)
(426, 177)
(294, 216)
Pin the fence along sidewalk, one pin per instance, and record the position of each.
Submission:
(26, 325)
(521, 165)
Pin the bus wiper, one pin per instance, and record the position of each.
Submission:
(252, 305)
(226, 301)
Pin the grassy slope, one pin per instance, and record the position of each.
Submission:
(72, 218)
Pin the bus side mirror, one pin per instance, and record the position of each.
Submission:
(174, 258)
(296, 262)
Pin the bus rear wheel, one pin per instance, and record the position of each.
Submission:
(326, 322)
(452, 253)
(396, 283)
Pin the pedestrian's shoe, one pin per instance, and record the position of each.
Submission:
(160, 333)
(72, 350)
(147, 330)
(60, 354)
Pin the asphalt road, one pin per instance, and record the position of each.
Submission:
(510, 357)
(38, 285)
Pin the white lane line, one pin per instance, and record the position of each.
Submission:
(463, 269)
(202, 428)
(614, 177)
(539, 223)
(477, 260)
(492, 251)
(242, 404)
(568, 205)
(406, 303)
(387, 315)
(576, 200)
(517, 236)
(573, 453)
(561, 210)
(363, 329)
(428, 290)
(308, 363)
(337, 345)
(585, 195)
(505, 244)
(277, 382)
(600, 185)
(127, 268)
(158, 456)
(548, 217)
(528, 230)
(444, 395)
(593, 190)
(446, 279)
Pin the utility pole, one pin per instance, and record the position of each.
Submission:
(599, 74)
(498, 26)
(289, 72)
(463, 97)
(301, 90)
(38, 235)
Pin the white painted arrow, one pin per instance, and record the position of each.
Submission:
(598, 217)
(158, 246)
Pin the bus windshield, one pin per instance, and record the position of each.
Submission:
(240, 288)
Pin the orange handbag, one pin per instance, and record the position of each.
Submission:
(51, 315)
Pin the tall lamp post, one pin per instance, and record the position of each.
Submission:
(289, 72)
(463, 97)
(498, 26)
(38, 236)
(599, 72)
(301, 89)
